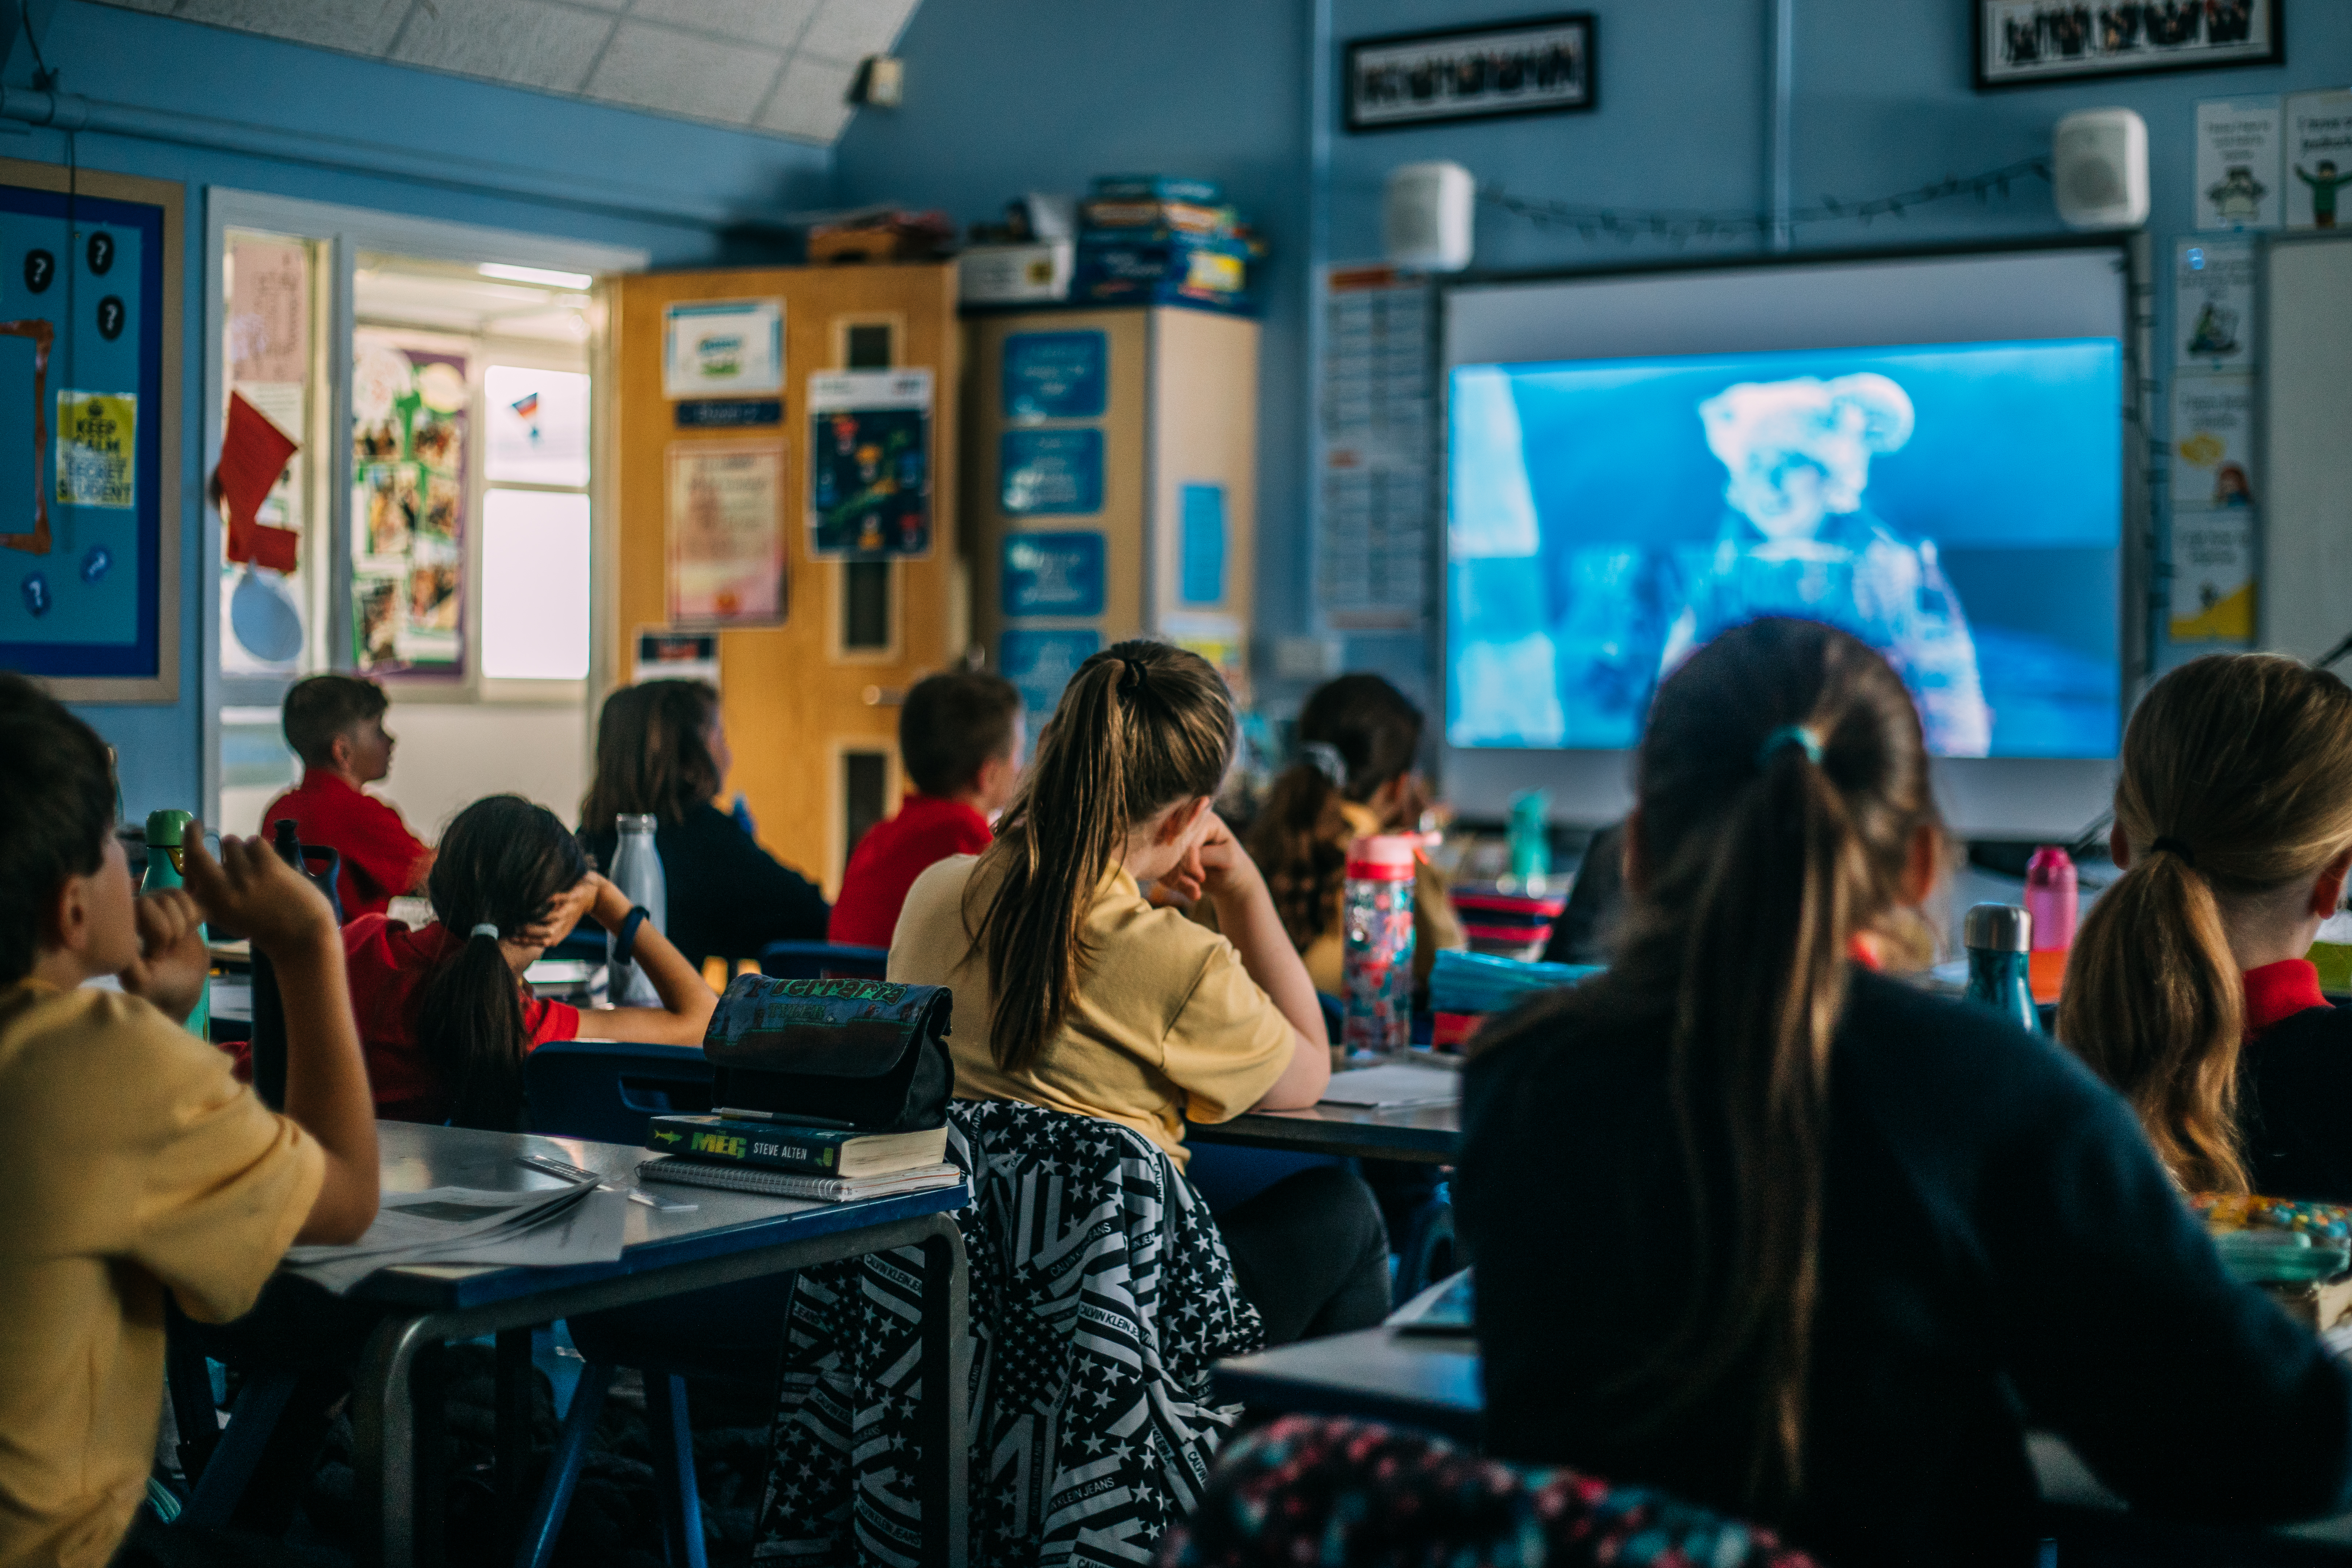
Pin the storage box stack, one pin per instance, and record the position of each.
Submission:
(1467, 988)
(1154, 239)
(1516, 924)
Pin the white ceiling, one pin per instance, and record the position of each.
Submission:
(783, 66)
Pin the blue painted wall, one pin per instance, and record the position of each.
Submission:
(127, 57)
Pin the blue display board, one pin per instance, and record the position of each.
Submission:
(1045, 472)
(1055, 375)
(1052, 574)
(1201, 559)
(1040, 663)
(87, 401)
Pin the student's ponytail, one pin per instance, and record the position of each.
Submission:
(500, 868)
(1357, 735)
(2235, 789)
(1140, 726)
(1782, 792)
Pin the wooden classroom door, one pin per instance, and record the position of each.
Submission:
(708, 426)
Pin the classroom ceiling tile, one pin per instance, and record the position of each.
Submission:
(356, 27)
(812, 101)
(660, 67)
(783, 66)
(776, 22)
(852, 29)
(525, 42)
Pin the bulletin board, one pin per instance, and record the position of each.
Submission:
(89, 405)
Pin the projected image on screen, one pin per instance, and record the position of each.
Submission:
(1957, 507)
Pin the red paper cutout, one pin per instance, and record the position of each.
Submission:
(254, 452)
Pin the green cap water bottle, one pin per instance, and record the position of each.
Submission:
(167, 848)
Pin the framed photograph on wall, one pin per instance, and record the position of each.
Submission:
(1540, 65)
(2020, 42)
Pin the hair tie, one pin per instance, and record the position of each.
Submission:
(1789, 735)
(1324, 758)
(486, 928)
(2174, 847)
(1134, 677)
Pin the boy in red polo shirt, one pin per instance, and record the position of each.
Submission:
(335, 724)
(960, 741)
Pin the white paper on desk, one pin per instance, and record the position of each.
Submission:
(421, 1227)
(1393, 1084)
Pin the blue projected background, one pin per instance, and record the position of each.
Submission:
(1957, 507)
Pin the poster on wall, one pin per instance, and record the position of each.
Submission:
(2318, 159)
(1050, 472)
(2212, 440)
(2212, 575)
(2238, 163)
(409, 439)
(724, 524)
(2213, 304)
(535, 425)
(1056, 375)
(722, 347)
(268, 312)
(2024, 41)
(870, 463)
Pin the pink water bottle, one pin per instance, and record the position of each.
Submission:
(1376, 952)
(2049, 898)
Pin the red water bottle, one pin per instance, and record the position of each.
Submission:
(2051, 899)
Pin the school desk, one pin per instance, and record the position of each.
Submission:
(1429, 1134)
(726, 1237)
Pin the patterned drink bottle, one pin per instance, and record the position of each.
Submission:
(1376, 925)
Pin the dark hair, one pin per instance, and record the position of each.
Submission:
(501, 862)
(953, 725)
(325, 706)
(1300, 837)
(2245, 761)
(1760, 863)
(651, 758)
(57, 807)
(1140, 726)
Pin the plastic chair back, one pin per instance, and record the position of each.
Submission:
(608, 1090)
(823, 960)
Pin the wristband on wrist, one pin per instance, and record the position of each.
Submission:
(624, 940)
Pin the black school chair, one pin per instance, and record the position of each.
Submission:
(823, 960)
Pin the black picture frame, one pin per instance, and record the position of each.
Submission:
(2118, 38)
(1568, 42)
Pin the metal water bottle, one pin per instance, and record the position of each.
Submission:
(1376, 953)
(637, 872)
(1998, 937)
(167, 834)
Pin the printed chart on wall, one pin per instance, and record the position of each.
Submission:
(408, 505)
(85, 370)
(724, 526)
(2213, 502)
(1372, 558)
(870, 463)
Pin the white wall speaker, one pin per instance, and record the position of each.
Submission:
(1425, 219)
(2098, 159)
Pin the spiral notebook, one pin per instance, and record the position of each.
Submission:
(787, 1184)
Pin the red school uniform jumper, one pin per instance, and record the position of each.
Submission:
(389, 966)
(380, 855)
(886, 861)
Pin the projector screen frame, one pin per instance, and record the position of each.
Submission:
(1996, 797)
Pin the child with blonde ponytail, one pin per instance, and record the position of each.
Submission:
(1074, 993)
(2187, 988)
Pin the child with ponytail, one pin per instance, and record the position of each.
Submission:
(1357, 738)
(1072, 992)
(2187, 988)
(445, 1015)
(1760, 1226)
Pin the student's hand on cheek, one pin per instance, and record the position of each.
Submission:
(1225, 866)
(173, 963)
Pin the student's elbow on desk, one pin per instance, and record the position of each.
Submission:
(345, 1205)
(1302, 1083)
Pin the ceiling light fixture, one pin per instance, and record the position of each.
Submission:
(547, 276)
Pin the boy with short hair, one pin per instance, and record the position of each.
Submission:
(133, 1164)
(960, 741)
(335, 724)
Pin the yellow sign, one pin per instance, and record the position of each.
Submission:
(97, 444)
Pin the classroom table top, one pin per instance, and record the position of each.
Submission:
(1430, 1134)
(416, 1157)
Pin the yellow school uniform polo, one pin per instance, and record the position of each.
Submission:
(131, 1163)
(1167, 1026)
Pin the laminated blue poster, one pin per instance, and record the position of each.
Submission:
(1055, 375)
(1052, 574)
(1051, 471)
(1202, 579)
(1041, 663)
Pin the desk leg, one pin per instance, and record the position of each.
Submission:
(513, 1448)
(384, 1444)
(943, 1421)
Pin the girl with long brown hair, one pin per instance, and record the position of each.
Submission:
(661, 752)
(1357, 736)
(1073, 991)
(1764, 1227)
(2187, 988)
